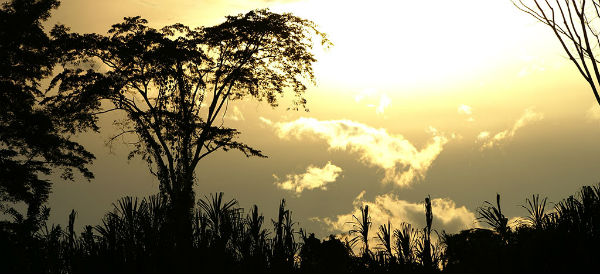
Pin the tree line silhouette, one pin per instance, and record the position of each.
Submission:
(135, 237)
(171, 85)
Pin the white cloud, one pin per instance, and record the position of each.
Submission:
(384, 102)
(236, 114)
(515, 222)
(465, 110)
(402, 162)
(363, 94)
(313, 178)
(266, 120)
(491, 141)
(370, 95)
(446, 214)
(483, 135)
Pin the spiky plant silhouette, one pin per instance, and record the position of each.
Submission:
(536, 209)
(385, 241)
(424, 246)
(492, 215)
(223, 221)
(428, 253)
(135, 237)
(254, 222)
(284, 246)
(360, 230)
(71, 241)
(254, 246)
(406, 238)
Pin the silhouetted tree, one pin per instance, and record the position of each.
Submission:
(34, 141)
(475, 251)
(174, 83)
(310, 253)
(575, 25)
(330, 256)
(560, 241)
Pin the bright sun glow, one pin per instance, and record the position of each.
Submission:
(392, 43)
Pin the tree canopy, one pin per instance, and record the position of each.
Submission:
(173, 83)
(33, 140)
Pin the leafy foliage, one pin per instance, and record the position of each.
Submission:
(135, 237)
(492, 215)
(34, 140)
(562, 240)
(360, 228)
(406, 238)
(385, 238)
(174, 83)
(537, 218)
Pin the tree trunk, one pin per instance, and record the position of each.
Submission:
(181, 205)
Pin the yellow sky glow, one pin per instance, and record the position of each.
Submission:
(468, 69)
(414, 43)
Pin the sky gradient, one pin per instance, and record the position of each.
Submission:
(459, 100)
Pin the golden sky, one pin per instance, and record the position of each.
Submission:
(458, 99)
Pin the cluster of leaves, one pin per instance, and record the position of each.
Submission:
(564, 239)
(35, 141)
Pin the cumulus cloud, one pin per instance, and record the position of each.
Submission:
(313, 178)
(489, 141)
(483, 135)
(515, 222)
(446, 214)
(465, 110)
(384, 102)
(401, 161)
